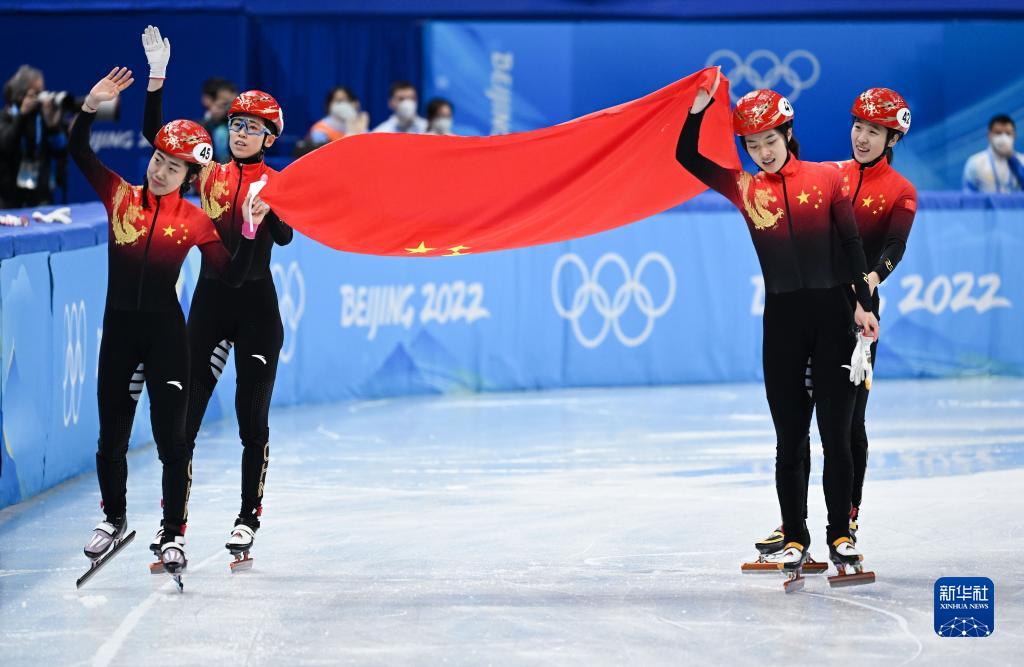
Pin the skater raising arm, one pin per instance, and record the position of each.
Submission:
(221, 317)
(151, 230)
(247, 143)
(799, 218)
(717, 178)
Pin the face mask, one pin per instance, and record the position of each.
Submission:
(1002, 142)
(343, 110)
(443, 125)
(406, 109)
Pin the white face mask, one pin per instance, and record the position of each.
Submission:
(343, 110)
(406, 109)
(443, 125)
(1002, 142)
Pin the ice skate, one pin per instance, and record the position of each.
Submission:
(172, 554)
(108, 538)
(239, 544)
(157, 566)
(849, 564)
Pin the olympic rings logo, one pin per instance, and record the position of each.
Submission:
(611, 308)
(74, 360)
(778, 70)
(291, 301)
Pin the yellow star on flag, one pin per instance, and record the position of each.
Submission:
(803, 197)
(422, 249)
(169, 230)
(457, 251)
(868, 201)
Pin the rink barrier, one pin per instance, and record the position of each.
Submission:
(673, 299)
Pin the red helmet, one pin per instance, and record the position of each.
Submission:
(761, 110)
(884, 107)
(185, 139)
(261, 105)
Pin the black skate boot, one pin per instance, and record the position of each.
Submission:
(771, 544)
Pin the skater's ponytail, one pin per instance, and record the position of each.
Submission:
(792, 144)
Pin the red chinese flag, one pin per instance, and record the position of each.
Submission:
(423, 195)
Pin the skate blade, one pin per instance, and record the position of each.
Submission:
(176, 578)
(759, 567)
(97, 564)
(814, 567)
(856, 579)
(241, 563)
(794, 585)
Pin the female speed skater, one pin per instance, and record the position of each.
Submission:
(151, 230)
(221, 316)
(801, 222)
(884, 204)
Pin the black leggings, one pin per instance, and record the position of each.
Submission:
(815, 323)
(248, 319)
(158, 341)
(858, 433)
(859, 436)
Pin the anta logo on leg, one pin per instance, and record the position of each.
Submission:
(291, 300)
(260, 358)
(799, 70)
(611, 308)
(175, 383)
(74, 360)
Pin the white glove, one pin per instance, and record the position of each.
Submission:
(158, 52)
(61, 215)
(860, 363)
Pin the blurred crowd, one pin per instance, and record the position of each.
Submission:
(34, 125)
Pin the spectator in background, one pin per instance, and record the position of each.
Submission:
(216, 98)
(439, 116)
(403, 107)
(998, 168)
(343, 118)
(33, 140)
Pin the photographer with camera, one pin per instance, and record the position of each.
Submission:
(33, 140)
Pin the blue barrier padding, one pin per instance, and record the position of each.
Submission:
(676, 298)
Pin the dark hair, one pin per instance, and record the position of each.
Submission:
(215, 84)
(330, 96)
(400, 85)
(1001, 119)
(17, 85)
(792, 145)
(434, 107)
(192, 171)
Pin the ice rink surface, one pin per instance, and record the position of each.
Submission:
(565, 528)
